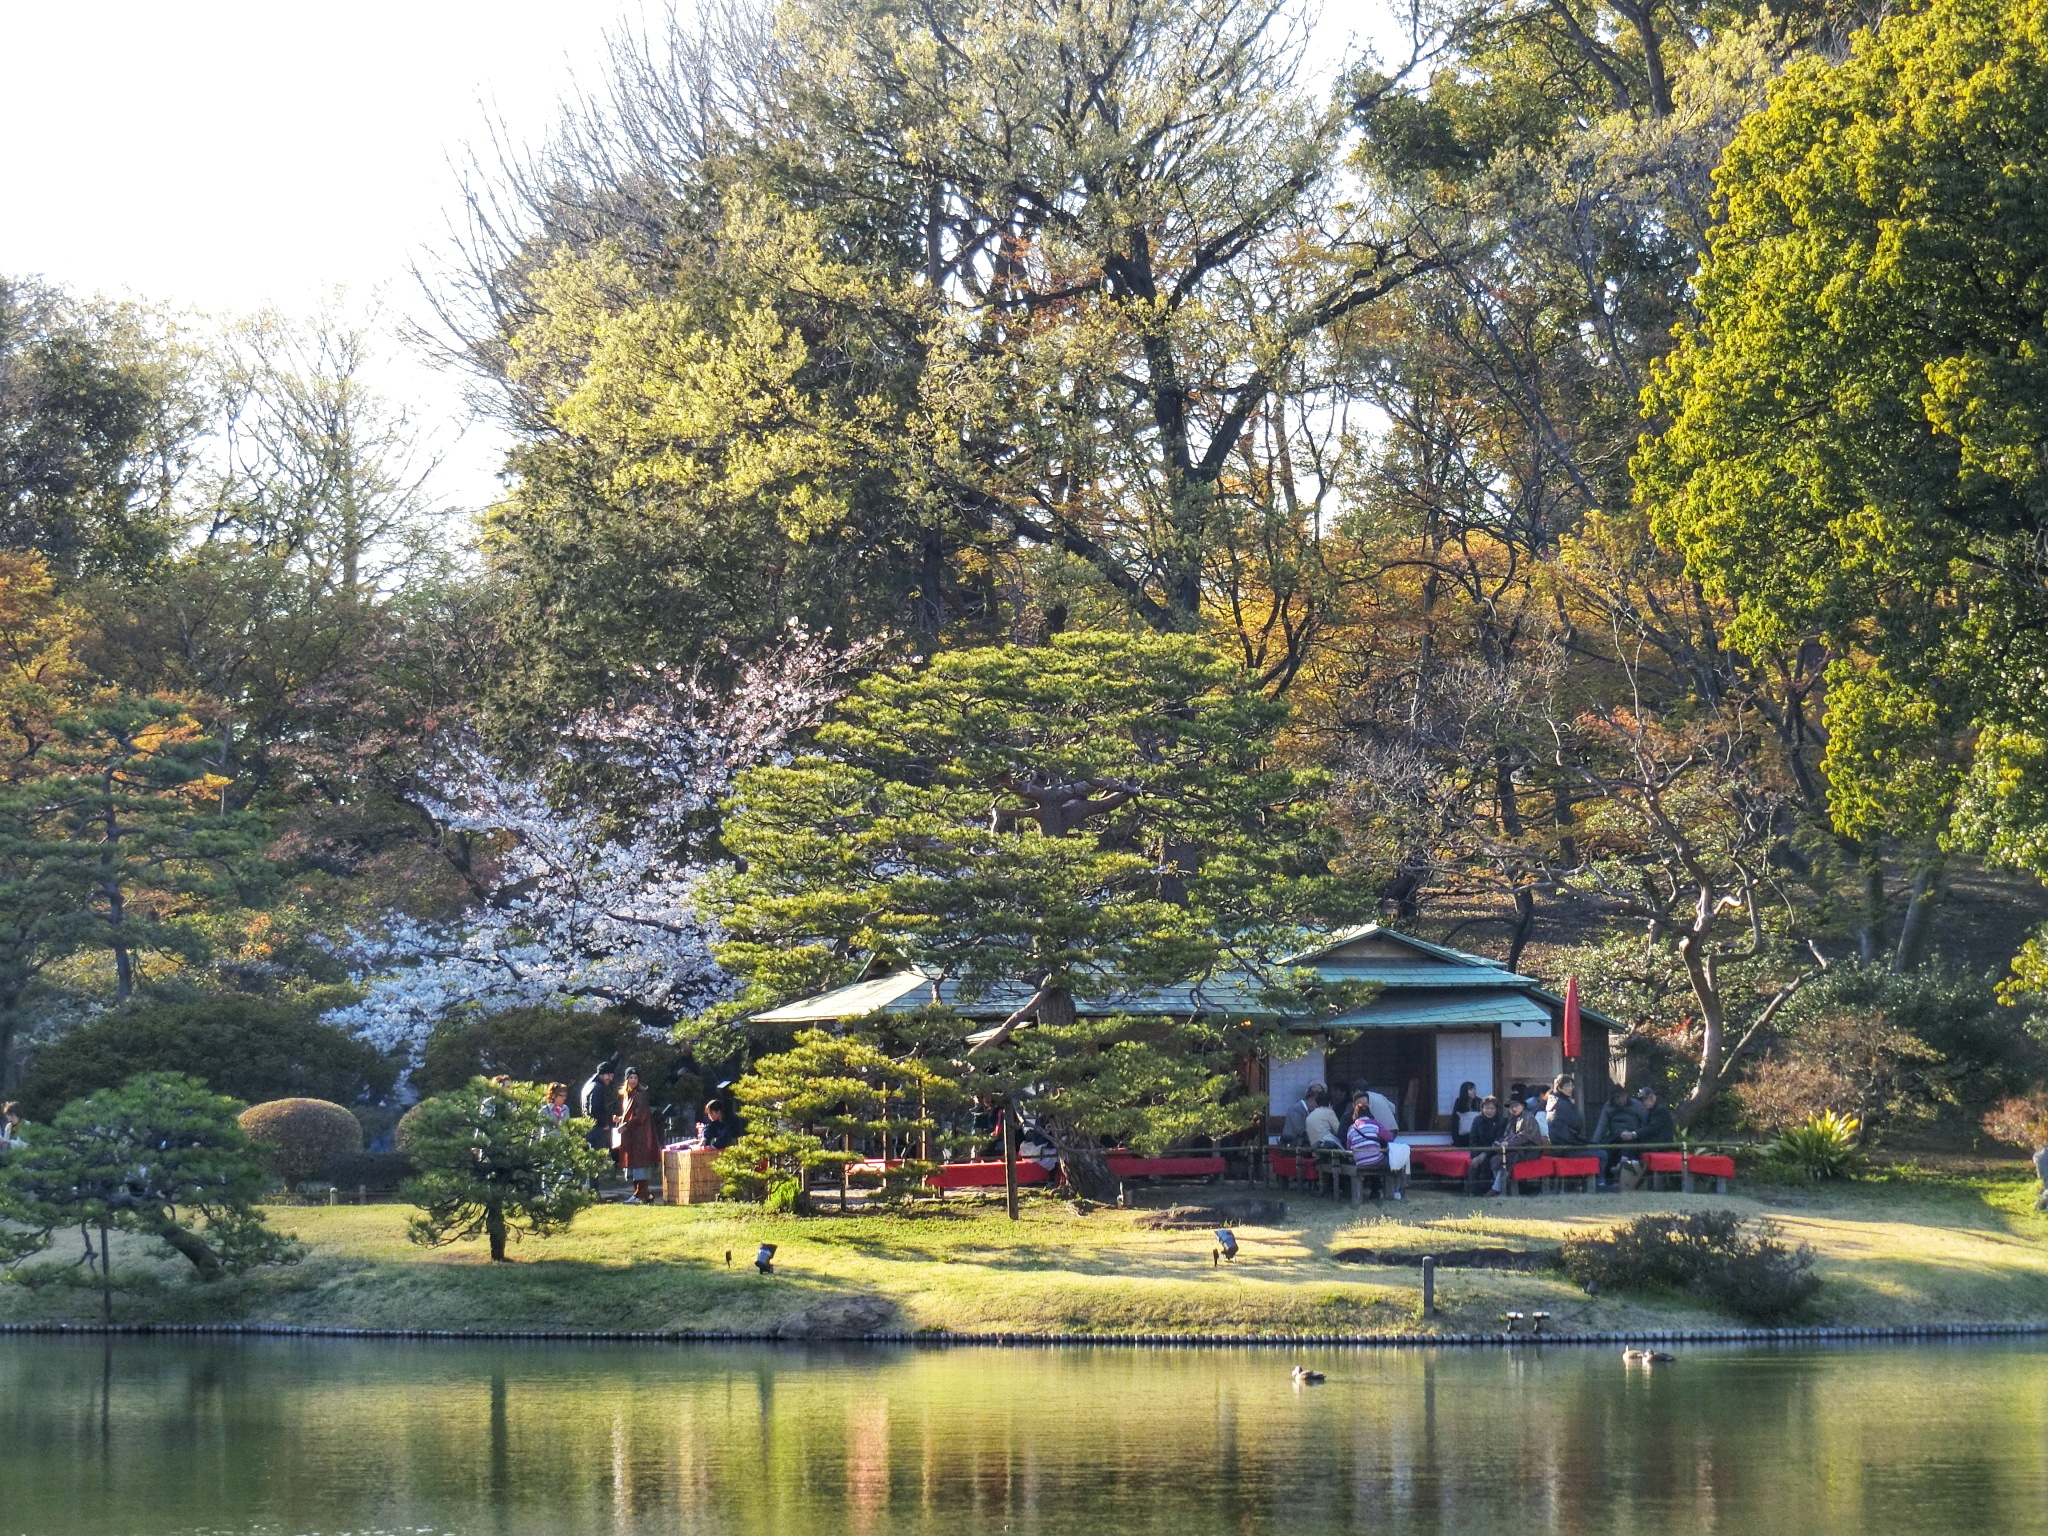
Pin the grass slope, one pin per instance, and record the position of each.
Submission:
(1912, 1248)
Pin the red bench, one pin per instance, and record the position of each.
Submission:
(1292, 1164)
(1587, 1168)
(985, 1175)
(1533, 1169)
(1445, 1162)
(1711, 1165)
(1128, 1165)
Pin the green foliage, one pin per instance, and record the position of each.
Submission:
(97, 411)
(1851, 444)
(1749, 1272)
(492, 1165)
(161, 1155)
(1827, 1146)
(1091, 817)
(302, 1138)
(538, 1045)
(1106, 811)
(252, 1048)
(811, 1109)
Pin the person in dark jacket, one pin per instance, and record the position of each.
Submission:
(1565, 1123)
(1659, 1129)
(1621, 1120)
(599, 1104)
(718, 1129)
(1486, 1133)
(1294, 1128)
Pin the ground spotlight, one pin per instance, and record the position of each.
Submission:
(1227, 1241)
(764, 1260)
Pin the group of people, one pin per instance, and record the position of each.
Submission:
(620, 1110)
(1366, 1128)
(1503, 1134)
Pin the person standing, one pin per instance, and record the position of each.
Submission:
(639, 1147)
(599, 1102)
(1564, 1122)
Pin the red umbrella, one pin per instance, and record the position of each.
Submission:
(1571, 1019)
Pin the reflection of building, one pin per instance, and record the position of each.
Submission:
(1440, 1018)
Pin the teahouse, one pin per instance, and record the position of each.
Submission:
(1441, 1017)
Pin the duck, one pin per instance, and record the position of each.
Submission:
(1644, 1357)
(1304, 1377)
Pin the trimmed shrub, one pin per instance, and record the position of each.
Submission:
(401, 1134)
(1711, 1254)
(250, 1048)
(302, 1138)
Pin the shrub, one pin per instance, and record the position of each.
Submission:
(540, 1045)
(249, 1048)
(1711, 1254)
(302, 1138)
(1856, 1060)
(1823, 1148)
(2021, 1122)
(492, 1165)
(401, 1134)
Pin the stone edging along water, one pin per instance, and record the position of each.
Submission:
(1808, 1335)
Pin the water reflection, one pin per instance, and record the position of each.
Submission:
(143, 1437)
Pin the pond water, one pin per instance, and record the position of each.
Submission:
(108, 1438)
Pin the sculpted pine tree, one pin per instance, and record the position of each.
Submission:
(1089, 818)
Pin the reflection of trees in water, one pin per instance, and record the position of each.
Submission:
(625, 1438)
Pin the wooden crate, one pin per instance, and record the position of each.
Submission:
(687, 1177)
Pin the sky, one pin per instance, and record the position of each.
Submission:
(224, 156)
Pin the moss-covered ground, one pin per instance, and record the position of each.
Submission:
(1918, 1245)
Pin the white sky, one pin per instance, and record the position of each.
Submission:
(227, 155)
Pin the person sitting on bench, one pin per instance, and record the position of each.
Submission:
(1368, 1141)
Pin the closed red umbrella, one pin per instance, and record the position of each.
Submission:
(1571, 1019)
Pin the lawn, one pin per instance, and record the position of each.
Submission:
(1915, 1247)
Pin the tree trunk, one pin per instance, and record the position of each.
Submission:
(1010, 1159)
(494, 1228)
(106, 1278)
(1870, 932)
(1082, 1162)
(1706, 991)
(1929, 885)
(189, 1243)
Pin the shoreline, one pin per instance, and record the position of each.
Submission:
(1813, 1334)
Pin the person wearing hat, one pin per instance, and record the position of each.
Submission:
(1659, 1129)
(599, 1103)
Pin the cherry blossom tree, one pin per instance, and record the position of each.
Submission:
(590, 903)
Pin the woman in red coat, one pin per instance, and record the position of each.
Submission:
(639, 1150)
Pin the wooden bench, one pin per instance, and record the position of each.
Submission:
(1711, 1165)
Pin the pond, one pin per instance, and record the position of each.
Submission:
(108, 1438)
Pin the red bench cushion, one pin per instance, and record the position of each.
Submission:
(1128, 1165)
(1575, 1167)
(1450, 1162)
(984, 1175)
(1713, 1165)
(1536, 1168)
